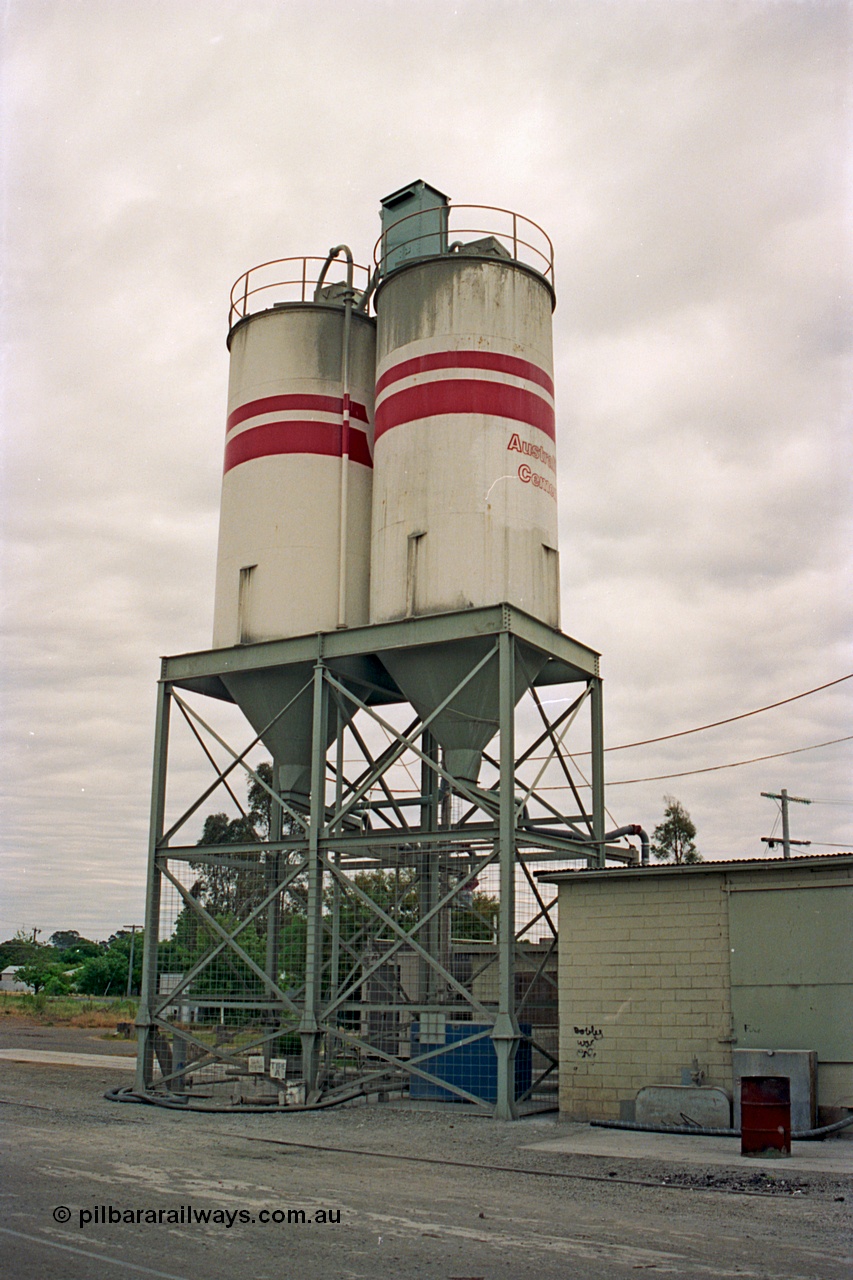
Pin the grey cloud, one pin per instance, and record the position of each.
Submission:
(689, 163)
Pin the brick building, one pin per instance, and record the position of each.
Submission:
(661, 967)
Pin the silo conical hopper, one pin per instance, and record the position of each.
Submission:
(464, 480)
(262, 696)
(427, 674)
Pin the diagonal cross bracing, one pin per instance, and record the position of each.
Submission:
(405, 939)
(205, 961)
(237, 759)
(228, 939)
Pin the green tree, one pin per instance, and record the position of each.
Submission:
(229, 976)
(21, 948)
(260, 802)
(80, 951)
(234, 890)
(477, 921)
(64, 938)
(44, 973)
(106, 974)
(397, 893)
(175, 954)
(674, 838)
(394, 892)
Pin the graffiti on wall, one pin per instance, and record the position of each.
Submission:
(586, 1040)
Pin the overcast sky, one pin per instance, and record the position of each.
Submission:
(691, 163)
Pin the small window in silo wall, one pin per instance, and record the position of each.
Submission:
(414, 225)
(412, 557)
(244, 603)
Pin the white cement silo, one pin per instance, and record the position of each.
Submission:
(465, 500)
(464, 489)
(294, 536)
(279, 565)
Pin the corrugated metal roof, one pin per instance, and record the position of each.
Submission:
(698, 868)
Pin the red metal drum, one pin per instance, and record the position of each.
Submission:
(765, 1116)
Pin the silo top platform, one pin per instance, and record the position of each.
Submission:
(358, 649)
(419, 222)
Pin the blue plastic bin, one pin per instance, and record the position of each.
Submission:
(473, 1067)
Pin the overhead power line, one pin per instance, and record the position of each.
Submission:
(735, 764)
(689, 773)
(682, 733)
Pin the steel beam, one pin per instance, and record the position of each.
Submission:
(505, 1035)
(309, 1028)
(597, 772)
(148, 989)
(568, 659)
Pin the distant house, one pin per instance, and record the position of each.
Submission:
(9, 979)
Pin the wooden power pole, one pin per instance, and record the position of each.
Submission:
(786, 841)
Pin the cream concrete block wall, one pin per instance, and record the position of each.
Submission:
(644, 988)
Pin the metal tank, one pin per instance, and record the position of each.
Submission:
(297, 464)
(464, 482)
(294, 534)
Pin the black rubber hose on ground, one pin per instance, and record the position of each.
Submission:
(801, 1135)
(175, 1103)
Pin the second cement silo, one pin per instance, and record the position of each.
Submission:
(295, 514)
(465, 499)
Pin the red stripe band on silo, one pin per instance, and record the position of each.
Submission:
(303, 403)
(512, 365)
(462, 395)
(273, 438)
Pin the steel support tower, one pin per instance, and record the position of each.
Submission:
(351, 960)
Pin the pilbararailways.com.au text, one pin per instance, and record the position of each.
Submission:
(188, 1215)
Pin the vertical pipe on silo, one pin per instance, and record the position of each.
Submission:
(273, 912)
(345, 410)
(310, 1028)
(343, 513)
(505, 1035)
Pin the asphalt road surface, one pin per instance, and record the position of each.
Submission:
(385, 1193)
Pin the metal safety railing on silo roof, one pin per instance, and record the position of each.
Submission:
(282, 280)
(525, 240)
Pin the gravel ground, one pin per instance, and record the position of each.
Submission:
(422, 1195)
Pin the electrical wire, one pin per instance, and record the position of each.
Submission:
(735, 764)
(682, 733)
(689, 773)
(776, 821)
(713, 768)
(730, 720)
(715, 724)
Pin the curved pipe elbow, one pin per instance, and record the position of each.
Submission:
(333, 254)
(633, 829)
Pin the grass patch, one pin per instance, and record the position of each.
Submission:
(70, 1011)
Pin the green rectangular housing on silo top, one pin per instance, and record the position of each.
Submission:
(414, 225)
